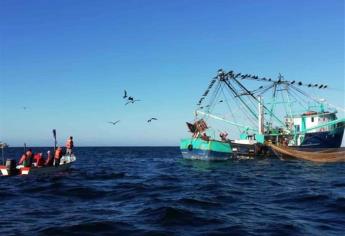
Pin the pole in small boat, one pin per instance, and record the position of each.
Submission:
(2, 146)
(2, 154)
(54, 134)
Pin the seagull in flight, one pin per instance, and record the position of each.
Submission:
(131, 100)
(151, 119)
(114, 122)
(125, 94)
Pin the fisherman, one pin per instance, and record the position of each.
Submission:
(22, 159)
(196, 134)
(69, 146)
(285, 142)
(39, 160)
(57, 156)
(205, 137)
(29, 158)
(49, 160)
(223, 136)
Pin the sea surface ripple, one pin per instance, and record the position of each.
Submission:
(153, 191)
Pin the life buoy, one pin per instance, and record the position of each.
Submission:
(190, 147)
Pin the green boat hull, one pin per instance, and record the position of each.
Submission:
(199, 149)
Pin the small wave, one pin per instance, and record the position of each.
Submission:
(294, 197)
(6, 192)
(91, 228)
(172, 216)
(231, 230)
(339, 184)
(103, 176)
(337, 205)
(198, 202)
(311, 198)
(79, 192)
(289, 228)
(128, 191)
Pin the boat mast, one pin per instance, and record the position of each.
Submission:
(261, 116)
(255, 98)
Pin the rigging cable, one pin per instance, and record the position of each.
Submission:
(232, 115)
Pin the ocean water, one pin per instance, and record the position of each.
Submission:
(153, 191)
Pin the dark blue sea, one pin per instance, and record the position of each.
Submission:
(153, 191)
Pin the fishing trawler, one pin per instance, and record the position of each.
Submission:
(277, 111)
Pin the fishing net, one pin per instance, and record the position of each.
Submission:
(325, 155)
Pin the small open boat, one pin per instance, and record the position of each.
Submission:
(11, 169)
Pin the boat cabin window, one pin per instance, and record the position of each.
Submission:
(312, 119)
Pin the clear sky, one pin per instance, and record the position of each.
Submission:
(68, 62)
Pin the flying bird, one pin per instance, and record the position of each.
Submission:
(114, 122)
(125, 94)
(151, 119)
(132, 101)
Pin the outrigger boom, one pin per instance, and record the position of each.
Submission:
(227, 121)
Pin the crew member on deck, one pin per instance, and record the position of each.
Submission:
(29, 158)
(205, 137)
(69, 146)
(22, 159)
(223, 136)
(57, 156)
(39, 161)
(49, 160)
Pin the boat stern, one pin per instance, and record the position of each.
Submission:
(4, 171)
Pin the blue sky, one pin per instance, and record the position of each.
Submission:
(69, 61)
